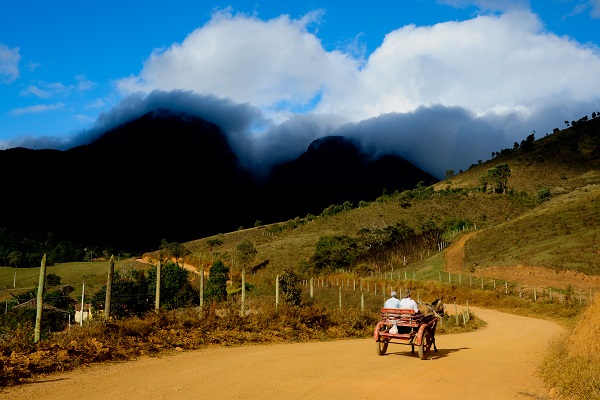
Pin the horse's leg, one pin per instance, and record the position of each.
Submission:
(412, 349)
(434, 347)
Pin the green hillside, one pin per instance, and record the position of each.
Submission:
(547, 216)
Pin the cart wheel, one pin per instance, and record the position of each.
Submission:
(382, 346)
(425, 346)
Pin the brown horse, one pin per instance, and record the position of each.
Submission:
(437, 308)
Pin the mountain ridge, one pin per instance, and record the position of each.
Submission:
(168, 174)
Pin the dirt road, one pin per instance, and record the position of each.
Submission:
(497, 362)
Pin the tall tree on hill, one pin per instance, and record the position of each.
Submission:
(216, 288)
(497, 178)
(245, 253)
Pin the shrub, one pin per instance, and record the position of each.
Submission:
(216, 287)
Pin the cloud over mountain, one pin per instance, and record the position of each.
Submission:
(442, 96)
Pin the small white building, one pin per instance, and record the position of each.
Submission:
(87, 312)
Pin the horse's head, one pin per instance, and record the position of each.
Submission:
(438, 306)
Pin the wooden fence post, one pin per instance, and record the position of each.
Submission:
(157, 299)
(243, 309)
(109, 281)
(276, 292)
(201, 287)
(456, 312)
(82, 303)
(362, 301)
(39, 301)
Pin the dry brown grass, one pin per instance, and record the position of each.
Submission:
(584, 342)
(572, 366)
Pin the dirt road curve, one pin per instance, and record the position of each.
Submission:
(497, 362)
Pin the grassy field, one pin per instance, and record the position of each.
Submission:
(563, 233)
(94, 275)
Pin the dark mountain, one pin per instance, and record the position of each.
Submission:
(174, 176)
(333, 170)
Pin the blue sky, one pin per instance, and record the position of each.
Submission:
(281, 73)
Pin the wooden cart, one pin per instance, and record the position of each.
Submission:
(415, 330)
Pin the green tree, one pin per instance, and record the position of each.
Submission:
(61, 298)
(449, 173)
(176, 291)
(245, 253)
(15, 258)
(332, 252)
(129, 295)
(289, 283)
(52, 279)
(497, 178)
(527, 144)
(63, 252)
(215, 242)
(216, 287)
(170, 250)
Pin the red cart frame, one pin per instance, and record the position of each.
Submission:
(413, 330)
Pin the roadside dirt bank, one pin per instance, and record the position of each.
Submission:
(497, 362)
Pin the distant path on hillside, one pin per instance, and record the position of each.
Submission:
(496, 362)
(454, 255)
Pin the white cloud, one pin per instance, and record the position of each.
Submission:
(595, 12)
(46, 90)
(83, 118)
(9, 63)
(488, 63)
(34, 90)
(266, 63)
(99, 103)
(83, 83)
(37, 109)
